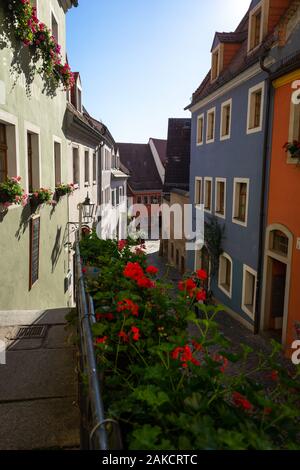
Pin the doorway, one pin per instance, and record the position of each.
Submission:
(276, 285)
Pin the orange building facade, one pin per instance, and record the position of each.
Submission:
(281, 280)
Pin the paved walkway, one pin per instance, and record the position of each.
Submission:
(38, 384)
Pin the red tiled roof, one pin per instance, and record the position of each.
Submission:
(161, 147)
(140, 162)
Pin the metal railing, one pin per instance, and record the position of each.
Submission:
(94, 434)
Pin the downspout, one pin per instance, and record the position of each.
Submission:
(263, 193)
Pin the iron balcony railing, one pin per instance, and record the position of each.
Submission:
(97, 432)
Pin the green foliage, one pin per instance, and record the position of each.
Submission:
(173, 390)
(11, 192)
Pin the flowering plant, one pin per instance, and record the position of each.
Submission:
(11, 192)
(35, 34)
(293, 148)
(63, 189)
(41, 196)
(171, 379)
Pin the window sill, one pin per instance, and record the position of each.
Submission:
(221, 215)
(224, 137)
(86, 185)
(210, 141)
(254, 130)
(209, 211)
(239, 222)
(226, 291)
(94, 183)
(249, 311)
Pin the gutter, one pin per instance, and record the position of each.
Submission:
(262, 197)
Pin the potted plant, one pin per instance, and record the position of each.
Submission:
(293, 148)
(64, 189)
(11, 192)
(41, 196)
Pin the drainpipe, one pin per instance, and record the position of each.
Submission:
(263, 192)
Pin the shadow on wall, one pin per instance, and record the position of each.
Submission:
(59, 244)
(24, 221)
(24, 60)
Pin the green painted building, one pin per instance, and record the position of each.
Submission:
(34, 257)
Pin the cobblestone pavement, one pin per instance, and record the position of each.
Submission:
(234, 331)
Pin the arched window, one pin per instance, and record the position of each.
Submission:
(279, 243)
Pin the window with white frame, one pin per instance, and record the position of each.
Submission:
(76, 166)
(54, 27)
(240, 201)
(220, 203)
(216, 62)
(255, 108)
(208, 194)
(121, 193)
(200, 129)
(94, 168)
(8, 147)
(107, 159)
(211, 121)
(249, 291)
(198, 191)
(86, 167)
(57, 163)
(255, 34)
(33, 162)
(225, 274)
(226, 110)
(113, 197)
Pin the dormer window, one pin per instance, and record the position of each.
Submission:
(255, 27)
(216, 65)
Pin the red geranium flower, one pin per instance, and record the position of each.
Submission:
(101, 340)
(187, 285)
(133, 271)
(145, 283)
(201, 295)
(152, 270)
(136, 333)
(128, 306)
(241, 402)
(274, 375)
(202, 275)
(122, 244)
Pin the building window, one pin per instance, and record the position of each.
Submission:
(198, 191)
(216, 62)
(87, 167)
(255, 28)
(255, 108)
(210, 131)
(121, 193)
(200, 129)
(294, 132)
(33, 171)
(79, 100)
(8, 146)
(240, 201)
(107, 159)
(225, 274)
(208, 194)
(54, 27)
(117, 197)
(113, 197)
(226, 111)
(76, 166)
(249, 291)
(139, 200)
(220, 206)
(94, 168)
(3, 154)
(145, 199)
(57, 163)
(34, 251)
(279, 243)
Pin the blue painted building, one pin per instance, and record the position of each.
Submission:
(229, 149)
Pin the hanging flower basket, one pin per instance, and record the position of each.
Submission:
(11, 192)
(293, 148)
(37, 36)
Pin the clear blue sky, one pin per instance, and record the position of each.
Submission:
(141, 60)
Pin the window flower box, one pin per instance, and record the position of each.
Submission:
(11, 192)
(64, 189)
(40, 197)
